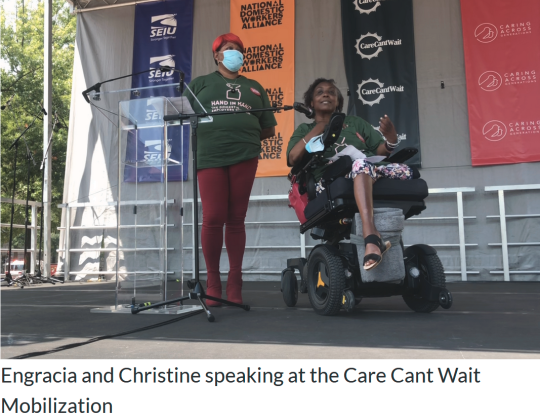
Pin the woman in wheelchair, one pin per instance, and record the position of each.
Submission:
(324, 98)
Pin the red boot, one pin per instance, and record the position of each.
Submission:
(213, 288)
(234, 290)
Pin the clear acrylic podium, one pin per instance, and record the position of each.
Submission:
(149, 208)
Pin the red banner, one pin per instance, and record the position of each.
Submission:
(502, 59)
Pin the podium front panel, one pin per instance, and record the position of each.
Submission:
(149, 214)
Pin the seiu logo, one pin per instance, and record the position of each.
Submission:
(164, 60)
(163, 25)
(152, 116)
(153, 149)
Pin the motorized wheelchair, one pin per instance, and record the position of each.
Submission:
(331, 274)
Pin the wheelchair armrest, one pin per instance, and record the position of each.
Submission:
(299, 167)
(339, 168)
(401, 155)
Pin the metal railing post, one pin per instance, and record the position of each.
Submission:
(504, 237)
(194, 208)
(67, 244)
(461, 227)
(33, 239)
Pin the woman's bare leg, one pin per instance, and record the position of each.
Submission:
(363, 194)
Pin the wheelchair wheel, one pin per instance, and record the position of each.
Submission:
(303, 283)
(290, 289)
(325, 281)
(431, 268)
(348, 300)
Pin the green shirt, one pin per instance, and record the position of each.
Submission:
(356, 132)
(232, 138)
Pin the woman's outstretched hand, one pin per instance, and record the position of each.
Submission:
(387, 129)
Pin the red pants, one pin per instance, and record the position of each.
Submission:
(225, 197)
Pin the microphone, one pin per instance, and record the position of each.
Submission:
(96, 87)
(182, 75)
(8, 103)
(165, 69)
(300, 107)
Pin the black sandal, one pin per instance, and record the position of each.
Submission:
(376, 240)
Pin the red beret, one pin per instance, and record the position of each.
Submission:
(223, 39)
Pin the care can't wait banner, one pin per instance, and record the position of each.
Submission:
(163, 37)
(267, 30)
(502, 59)
(378, 47)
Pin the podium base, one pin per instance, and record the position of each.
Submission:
(173, 310)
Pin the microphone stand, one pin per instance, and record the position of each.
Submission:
(9, 277)
(97, 86)
(197, 291)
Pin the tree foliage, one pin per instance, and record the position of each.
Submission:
(22, 80)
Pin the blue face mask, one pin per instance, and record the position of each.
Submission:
(315, 145)
(232, 60)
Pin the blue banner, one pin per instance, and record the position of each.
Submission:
(163, 36)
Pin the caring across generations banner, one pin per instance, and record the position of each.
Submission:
(378, 47)
(163, 36)
(267, 30)
(502, 60)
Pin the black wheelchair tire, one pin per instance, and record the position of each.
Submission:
(432, 267)
(290, 289)
(328, 300)
(303, 283)
(348, 301)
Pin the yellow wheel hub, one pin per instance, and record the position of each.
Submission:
(320, 283)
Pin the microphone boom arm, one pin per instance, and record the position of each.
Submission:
(97, 86)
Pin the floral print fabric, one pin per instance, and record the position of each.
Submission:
(393, 170)
(360, 166)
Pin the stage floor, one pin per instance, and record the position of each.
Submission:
(487, 320)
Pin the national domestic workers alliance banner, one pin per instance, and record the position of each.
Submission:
(267, 30)
(378, 47)
(502, 60)
(163, 36)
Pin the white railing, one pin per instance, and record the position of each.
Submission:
(502, 216)
(303, 248)
(67, 250)
(302, 240)
(461, 228)
(33, 230)
(254, 198)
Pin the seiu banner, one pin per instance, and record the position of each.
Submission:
(502, 60)
(378, 47)
(163, 36)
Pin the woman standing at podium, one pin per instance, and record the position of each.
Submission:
(227, 159)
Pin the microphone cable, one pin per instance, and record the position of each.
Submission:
(106, 110)
(105, 337)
